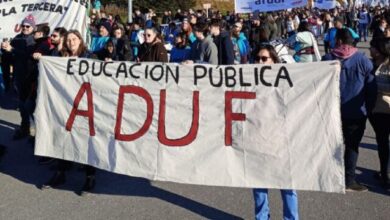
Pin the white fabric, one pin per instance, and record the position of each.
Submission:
(324, 4)
(248, 6)
(57, 13)
(291, 137)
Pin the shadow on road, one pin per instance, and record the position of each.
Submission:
(21, 164)
(9, 100)
(369, 178)
(369, 146)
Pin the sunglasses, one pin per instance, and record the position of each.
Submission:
(26, 26)
(262, 58)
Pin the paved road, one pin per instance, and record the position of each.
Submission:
(123, 197)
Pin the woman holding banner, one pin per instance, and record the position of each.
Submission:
(74, 47)
(266, 54)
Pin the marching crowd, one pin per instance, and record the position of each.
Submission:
(212, 38)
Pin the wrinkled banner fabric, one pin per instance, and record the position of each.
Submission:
(70, 14)
(262, 126)
(249, 6)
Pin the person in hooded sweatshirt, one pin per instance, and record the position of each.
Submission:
(203, 50)
(358, 95)
(304, 44)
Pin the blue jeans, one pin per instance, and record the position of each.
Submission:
(290, 204)
(363, 31)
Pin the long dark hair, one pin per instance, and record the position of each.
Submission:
(82, 48)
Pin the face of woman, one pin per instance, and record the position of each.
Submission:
(118, 33)
(149, 36)
(263, 57)
(186, 26)
(73, 43)
(387, 32)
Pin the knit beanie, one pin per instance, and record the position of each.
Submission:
(106, 25)
(29, 20)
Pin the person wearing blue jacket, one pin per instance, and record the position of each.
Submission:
(358, 95)
(99, 41)
(181, 51)
(241, 46)
(330, 36)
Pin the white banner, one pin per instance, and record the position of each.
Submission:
(325, 4)
(243, 126)
(248, 6)
(70, 14)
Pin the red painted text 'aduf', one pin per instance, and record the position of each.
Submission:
(162, 135)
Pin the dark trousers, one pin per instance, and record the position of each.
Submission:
(381, 125)
(6, 68)
(353, 130)
(64, 165)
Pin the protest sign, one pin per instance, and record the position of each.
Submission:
(324, 4)
(248, 6)
(242, 126)
(70, 14)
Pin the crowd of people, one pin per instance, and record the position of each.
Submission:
(189, 37)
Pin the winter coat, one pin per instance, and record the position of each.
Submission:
(204, 51)
(154, 52)
(225, 48)
(357, 85)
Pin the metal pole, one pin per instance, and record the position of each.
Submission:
(130, 11)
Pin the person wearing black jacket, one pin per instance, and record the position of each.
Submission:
(20, 49)
(379, 31)
(122, 45)
(223, 41)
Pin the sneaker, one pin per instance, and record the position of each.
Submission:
(356, 187)
(20, 134)
(45, 160)
(88, 185)
(57, 180)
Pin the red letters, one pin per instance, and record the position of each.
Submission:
(85, 87)
(191, 135)
(229, 116)
(149, 114)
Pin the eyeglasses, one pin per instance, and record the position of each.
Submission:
(26, 26)
(262, 58)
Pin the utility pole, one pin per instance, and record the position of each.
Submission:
(130, 11)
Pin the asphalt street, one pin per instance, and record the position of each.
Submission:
(124, 197)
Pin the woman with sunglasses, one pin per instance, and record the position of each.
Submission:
(74, 46)
(266, 54)
(152, 50)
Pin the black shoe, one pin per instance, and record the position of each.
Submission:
(88, 185)
(57, 180)
(45, 160)
(356, 187)
(20, 134)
